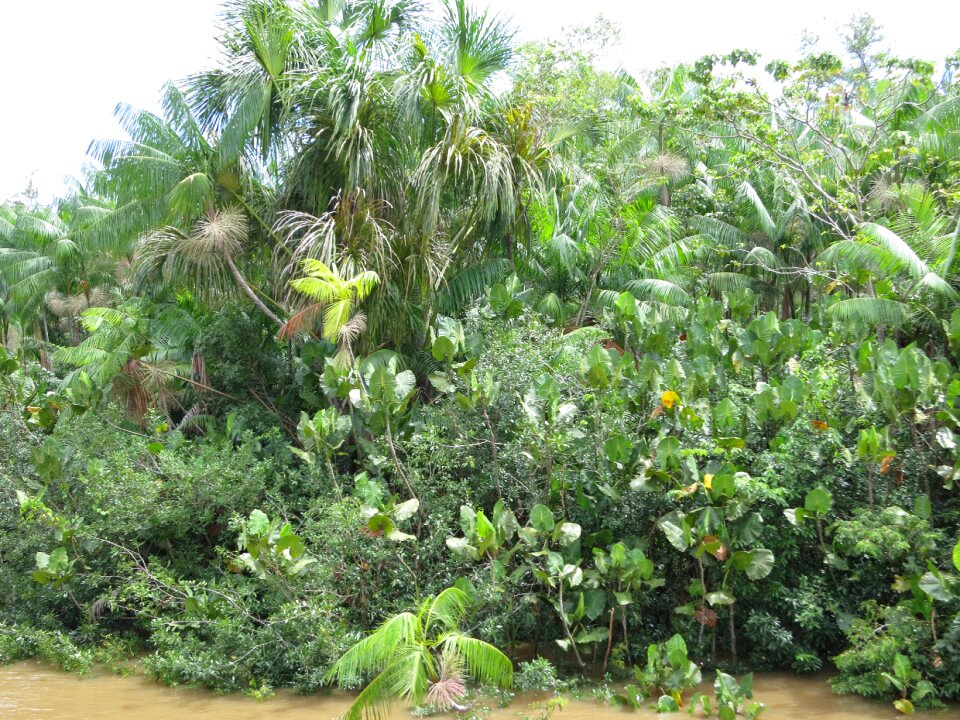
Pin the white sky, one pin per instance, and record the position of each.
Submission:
(67, 63)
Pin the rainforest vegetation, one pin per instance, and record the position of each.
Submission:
(389, 323)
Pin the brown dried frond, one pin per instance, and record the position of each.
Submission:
(667, 165)
(222, 234)
(69, 306)
(58, 304)
(198, 370)
(353, 328)
(304, 318)
(130, 385)
(191, 421)
(706, 616)
(99, 608)
(450, 688)
(99, 297)
(884, 195)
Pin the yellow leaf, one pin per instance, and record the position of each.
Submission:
(669, 399)
(708, 481)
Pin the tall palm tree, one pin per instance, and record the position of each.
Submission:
(172, 175)
(420, 657)
(242, 100)
(401, 166)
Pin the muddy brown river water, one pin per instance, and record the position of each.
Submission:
(30, 691)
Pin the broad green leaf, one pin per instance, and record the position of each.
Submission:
(946, 439)
(667, 704)
(259, 523)
(726, 414)
(442, 382)
(731, 443)
(406, 509)
(463, 548)
(291, 543)
(676, 530)
(596, 602)
(406, 383)
(381, 524)
(468, 520)
(932, 583)
(443, 349)
(749, 528)
(723, 486)
(382, 385)
(902, 667)
(677, 651)
(590, 636)
(721, 597)
(759, 564)
(542, 518)
(397, 536)
(668, 452)
(567, 532)
(818, 501)
(618, 449)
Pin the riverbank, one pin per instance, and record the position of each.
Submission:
(32, 691)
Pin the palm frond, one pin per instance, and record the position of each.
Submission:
(374, 652)
(658, 290)
(448, 608)
(871, 311)
(485, 663)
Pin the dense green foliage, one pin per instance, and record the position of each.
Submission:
(352, 337)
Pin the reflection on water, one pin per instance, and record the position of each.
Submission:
(29, 691)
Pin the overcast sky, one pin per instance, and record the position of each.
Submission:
(67, 63)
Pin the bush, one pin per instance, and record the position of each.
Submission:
(538, 674)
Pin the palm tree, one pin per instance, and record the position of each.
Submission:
(420, 657)
(202, 260)
(174, 171)
(242, 101)
(770, 247)
(337, 296)
(403, 165)
(48, 266)
(913, 252)
(608, 231)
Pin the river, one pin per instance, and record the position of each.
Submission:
(30, 691)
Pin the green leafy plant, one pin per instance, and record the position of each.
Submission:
(323, 435)
(908, 682)
(271, 548)
(735, 697)
(420, 657)
(668, 674)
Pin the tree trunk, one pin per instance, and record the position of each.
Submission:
(248, 291)
(606, 656)
(733, 639)
(566, 630)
